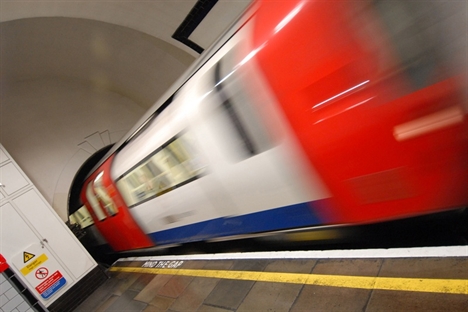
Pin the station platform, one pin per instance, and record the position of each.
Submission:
(415, 279)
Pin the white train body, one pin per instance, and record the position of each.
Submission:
(233, 183)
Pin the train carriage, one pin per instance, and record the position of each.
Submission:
(304, 114)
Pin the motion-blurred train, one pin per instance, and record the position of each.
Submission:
(303, 114)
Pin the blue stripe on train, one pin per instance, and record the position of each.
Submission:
(293, 216)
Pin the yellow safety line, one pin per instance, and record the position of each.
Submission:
(446, 286)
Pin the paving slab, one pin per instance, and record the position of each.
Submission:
(266, 296)
(159, 303)
(150, 291)
(126, 303)
(229, 294)
(382, 300)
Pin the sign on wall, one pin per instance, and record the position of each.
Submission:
(40, 269)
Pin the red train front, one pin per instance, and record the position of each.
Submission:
(377, 100)
(357, 109)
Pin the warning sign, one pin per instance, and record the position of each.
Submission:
(27, 256)
(41, 273)
(48, 287)
(31, 266)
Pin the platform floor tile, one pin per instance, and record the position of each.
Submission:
(241, 286)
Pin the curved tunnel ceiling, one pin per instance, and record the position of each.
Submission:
(155, 18)
(76, 73)
(126, 47)
(116, 58)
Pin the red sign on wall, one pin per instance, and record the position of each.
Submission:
(53, 283)
(3, 264)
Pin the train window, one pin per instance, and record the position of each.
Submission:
(92, 200)
(81, 217)
(103, 196)
(171, 166)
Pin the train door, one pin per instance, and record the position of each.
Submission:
(248, 151)
(110, 214)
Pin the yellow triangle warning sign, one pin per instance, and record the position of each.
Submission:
(27, 256)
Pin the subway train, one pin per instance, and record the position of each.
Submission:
(303, 114)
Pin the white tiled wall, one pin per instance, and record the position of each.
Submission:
(10, 299)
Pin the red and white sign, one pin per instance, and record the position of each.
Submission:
(53, 283)
(42, 273)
